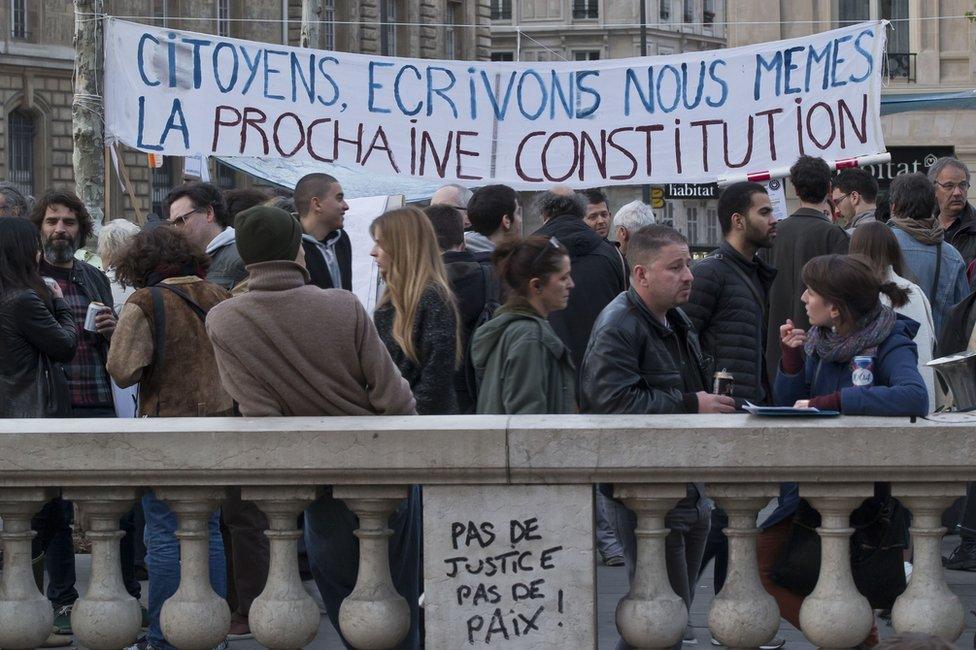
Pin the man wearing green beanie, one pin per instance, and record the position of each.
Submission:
(267, 234)
(273, 363)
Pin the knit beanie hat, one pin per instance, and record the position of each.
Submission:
(266, 234)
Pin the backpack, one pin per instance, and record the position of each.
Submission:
(472, 378)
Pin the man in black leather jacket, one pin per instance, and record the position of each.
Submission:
(644, 357)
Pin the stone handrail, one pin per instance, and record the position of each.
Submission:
(280, 463)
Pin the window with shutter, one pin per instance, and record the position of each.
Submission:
(501, 9)
(450, 31)
(20, 150)
(160, 12)
(388, 19)
(163, 180)
(223, 18)
(294, 22)
(18, 19)
(328, 27)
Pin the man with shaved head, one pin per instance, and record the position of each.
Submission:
(321, 206)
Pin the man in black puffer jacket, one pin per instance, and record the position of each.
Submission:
(729, 302)
(595, 266)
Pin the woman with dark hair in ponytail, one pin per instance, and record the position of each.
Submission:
(848, 320)
(524, 367)
(859, 358)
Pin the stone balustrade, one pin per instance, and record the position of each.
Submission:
(280, 463)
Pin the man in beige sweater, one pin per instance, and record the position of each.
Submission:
(290, 348)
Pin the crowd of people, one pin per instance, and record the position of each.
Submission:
(207, 311)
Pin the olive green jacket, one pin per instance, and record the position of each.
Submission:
(522, 365)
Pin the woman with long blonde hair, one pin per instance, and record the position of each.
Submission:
(417, 316)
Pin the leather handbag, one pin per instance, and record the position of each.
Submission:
(53, 399)
(880, 526)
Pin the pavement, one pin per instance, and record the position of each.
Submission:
(612, 585)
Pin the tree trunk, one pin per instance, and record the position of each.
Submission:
(87, 110)
(311, 26)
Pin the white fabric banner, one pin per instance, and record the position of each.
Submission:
(685, 118)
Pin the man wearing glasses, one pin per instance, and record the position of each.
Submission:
(456, 196)
(199, 211)
(853, 196)
(956, 215)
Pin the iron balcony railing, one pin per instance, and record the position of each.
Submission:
(901, 65)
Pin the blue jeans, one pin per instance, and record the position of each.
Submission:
(163, 560)
(333, 555)
(606, 540)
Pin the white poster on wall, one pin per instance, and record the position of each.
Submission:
(777, 197)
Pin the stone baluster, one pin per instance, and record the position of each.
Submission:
(195, 617)
(927, 605)
(743, 614)
(651, 615)
(284, 616)
(106, 617)
(374, 615)
(835, 614)
(25, 614)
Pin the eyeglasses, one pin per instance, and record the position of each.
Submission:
(181, 220)
(841, 199)
(963, 185)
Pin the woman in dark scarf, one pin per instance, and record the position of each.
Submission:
(818, 370)
(848, 320)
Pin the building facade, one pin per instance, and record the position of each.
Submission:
(37, 61)
(587, 30)
(931, 52)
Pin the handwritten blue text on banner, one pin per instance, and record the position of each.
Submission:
(668, 119)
